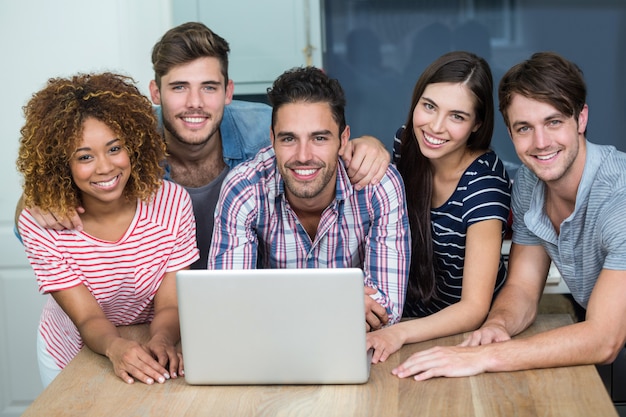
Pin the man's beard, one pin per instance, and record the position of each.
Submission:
(168, 127)
(312, 189)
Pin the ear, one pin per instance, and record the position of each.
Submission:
(155, 94)
(230, 90)
(345, 137)
(272, 135)
(583, 117)
(476, 127)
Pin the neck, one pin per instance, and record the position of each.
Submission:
(195, 165)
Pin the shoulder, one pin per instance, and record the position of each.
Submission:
(397, 143)
(238, 106)
(610, 165)
(261, 167)
(170, 197)
(486, 171)
(391, 184)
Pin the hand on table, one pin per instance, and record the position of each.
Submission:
(133, 361)
(486, 335)
(166, 354)
(449, 361)
(384, 342)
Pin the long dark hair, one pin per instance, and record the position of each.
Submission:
(453, 67)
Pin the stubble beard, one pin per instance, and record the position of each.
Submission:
(309, 189)
(169, 128)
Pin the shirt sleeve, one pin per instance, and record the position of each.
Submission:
(521, 196)
(613, 232)
(488, 197)
(234, 244)
(51, 268)
(388, 244)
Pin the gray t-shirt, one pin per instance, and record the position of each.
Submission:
(593, 237)
(204, 199)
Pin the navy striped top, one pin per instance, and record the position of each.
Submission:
(483, 193)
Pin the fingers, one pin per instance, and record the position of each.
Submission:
(485, 336)
(168, 356)
(366, 160)
(375, 314)
(441, 361)
(136, 362)
(54, 221)
(380, 354)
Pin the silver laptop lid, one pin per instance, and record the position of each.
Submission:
(273, 326)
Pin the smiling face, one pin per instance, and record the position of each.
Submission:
(100, 165)
(192, 98)
(443, 120)
(307, 141)
(546, 141)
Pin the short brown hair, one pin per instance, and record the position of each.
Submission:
(186, 43)
(546, 77)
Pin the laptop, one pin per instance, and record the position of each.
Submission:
(273, 326)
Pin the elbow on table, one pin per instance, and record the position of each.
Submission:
(608, 350)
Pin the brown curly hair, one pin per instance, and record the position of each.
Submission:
(53, 130)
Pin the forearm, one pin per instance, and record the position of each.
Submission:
(457, 318)
(99, 334)
(166, 325)
(576, 344)
(513, 309)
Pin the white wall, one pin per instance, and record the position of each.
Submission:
(42, 39)
(46, 38)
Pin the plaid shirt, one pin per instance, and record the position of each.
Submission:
(368, 229)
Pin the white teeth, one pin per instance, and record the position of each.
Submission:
(193, 119)
(434, 141)
(546, 157)
(107, 184)
(304, 172)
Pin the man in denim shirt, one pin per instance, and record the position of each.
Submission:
(207, 132)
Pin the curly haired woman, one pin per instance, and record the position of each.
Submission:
(91, 140)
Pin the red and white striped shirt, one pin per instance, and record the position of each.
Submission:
(123, 276)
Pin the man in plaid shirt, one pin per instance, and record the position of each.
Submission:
(292, 206)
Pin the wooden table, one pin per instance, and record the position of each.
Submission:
(88, 387)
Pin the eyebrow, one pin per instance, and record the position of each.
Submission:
(208, 82)
(324, 132)
(431, 101)
(557, 115)
(109, 143)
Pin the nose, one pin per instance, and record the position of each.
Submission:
(437, 123)
(541, 139)
(104, 165)
(303, 152)
(194, 98)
